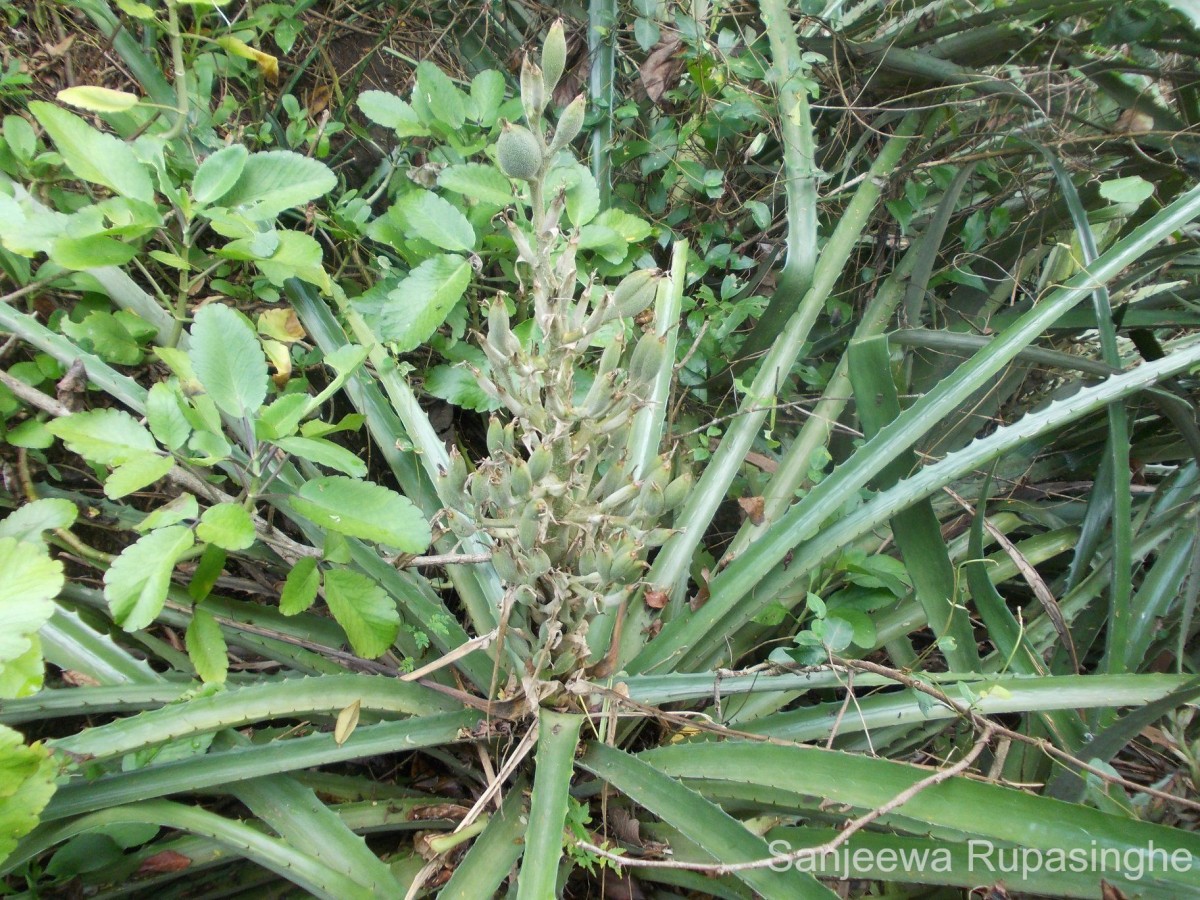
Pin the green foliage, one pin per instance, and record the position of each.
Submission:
(687, 425)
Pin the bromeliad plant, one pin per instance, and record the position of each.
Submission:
(574, 593)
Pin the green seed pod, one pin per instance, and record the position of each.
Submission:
(677, 492)
(570, 123)
(600, 396)
(519, 152)
(621, 497)
(506, 568)
(528, 525)
(539, 464)
(520, 482)
(647, 359)
(627, 563)
(538, 563)
(610, 481)
(533, 91)
(455, 478)
(610, 358)
(461, 525)
(636, 291)
(616, 420)
(481, 492)
(656, 537)
(554, 56)
(495, 437)
(604, 561)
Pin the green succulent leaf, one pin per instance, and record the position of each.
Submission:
(109, 437)
(136, 584)
(418, 306)
(136, 474)
(26, 523)
(273, 181)
(434, 219)
(364, 610)
(436, 98)
(27, 776)
(228, 360)
(391, 112)
(478, 181)
(300, 588)
(219, 173)
(31, 582)
(92, 155)
(324, 453)
(206, 647)
(228, 525)
(363, 510)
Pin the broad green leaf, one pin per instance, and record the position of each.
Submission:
(458, 386)
(228, 360)
(25, 675)
(276, 180)
(391, 112)
(281, 417)
(228, 525)
(181, 509)
(105, 335)
(219, 173)
(136, 584)
(420, 303)
(317, 428)
(487, 94)
(26, 523)
(20, 137)
(106, 436)
(136, 474)
(435, 94)
(93, 155)
(582, 194)
(31, 434)
(281, 255)
(92, 252)
(426, 215)
(325, 453)
(27, 776)
(479, 181)
(300, 588)
(207, 571)
(206, 647)
(98, 99)
(87, 852)
(164, 414)
(364, 610)
(364, 510)
(1133, 189)
(31, 582)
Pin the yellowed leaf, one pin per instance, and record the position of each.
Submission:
(281, 325)
(347, 721)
